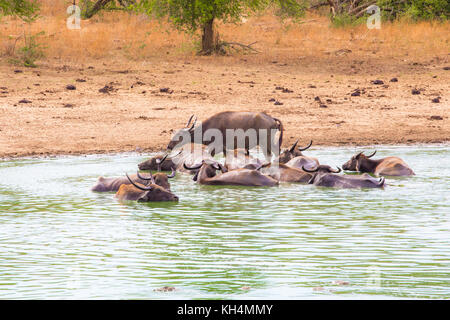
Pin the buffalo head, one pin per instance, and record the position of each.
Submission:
(151, 192)
(354, 163)
(206, 169)
(161, 179)
(182, 134)
(320, 169)
(292, 152)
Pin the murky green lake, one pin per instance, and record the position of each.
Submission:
(60, 240)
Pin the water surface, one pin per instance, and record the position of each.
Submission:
(60, 240)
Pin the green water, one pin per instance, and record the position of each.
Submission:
(59, 240)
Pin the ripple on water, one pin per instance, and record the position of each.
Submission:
(59, 240)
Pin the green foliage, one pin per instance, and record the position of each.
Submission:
(31, 51)
(91, 7)
(346, 20)
(415, 9)
(26, 10)
(192, 15)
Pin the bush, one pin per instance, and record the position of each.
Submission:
(30, 52)
(415, 9)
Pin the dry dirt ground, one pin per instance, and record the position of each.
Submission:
(40, 116)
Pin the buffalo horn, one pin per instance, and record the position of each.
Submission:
(148, 179)
(190, 119)
(293, 146)
(172, 174)
(193, 124)
(307, 147)
(160, 161)
(192, 168)
(139, 187)
(307, 170)
(372, 154)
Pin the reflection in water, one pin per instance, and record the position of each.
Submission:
(59, 240)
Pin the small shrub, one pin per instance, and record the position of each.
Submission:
(30, 52)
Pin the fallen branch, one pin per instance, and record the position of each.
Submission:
(243, 46)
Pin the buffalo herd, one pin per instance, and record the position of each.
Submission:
(192, 150)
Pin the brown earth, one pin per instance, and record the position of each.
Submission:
(136, 115)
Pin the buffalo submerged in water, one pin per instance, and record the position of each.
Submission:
(389, 166)
(113, 184)
(206, 173)
(324, 176)
(144, 193)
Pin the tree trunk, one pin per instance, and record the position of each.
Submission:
(210, 38)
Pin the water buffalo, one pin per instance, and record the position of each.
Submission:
(241, 159)
(158, 163)
(144, 193)
(243, 122)
(294, 157)
(190, 153)
(285, 173)
(390, 166)
(207, 174)
(113, 184)
(324, 177)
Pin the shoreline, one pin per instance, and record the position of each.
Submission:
(148, 152)
(55, 111)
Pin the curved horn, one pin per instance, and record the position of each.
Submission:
(307, 147)
(263, 165)
(172, 174)
(311, 171)
(372, 154)
(190, 119)
(338, 170)
(148, 179)
(193, 124)
(293, 146)
(192, 168)
(139, 187)
(181, 151)
(160, 161)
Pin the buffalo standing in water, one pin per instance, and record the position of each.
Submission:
(207, 174)
(390, 166)
(235, 121)
(324, 176)
(144, 193)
